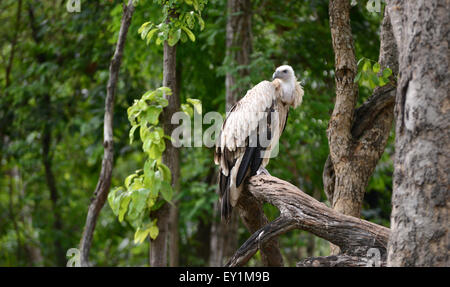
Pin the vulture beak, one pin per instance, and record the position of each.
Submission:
(275, 75)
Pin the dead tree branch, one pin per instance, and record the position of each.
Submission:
(104, 181)
(300, 211)
(341, 260)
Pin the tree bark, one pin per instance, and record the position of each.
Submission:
(300, 211)
(224, 236)
(357, 138)
(104, 181)
(420, 213)
(171, 157)
(342, 260)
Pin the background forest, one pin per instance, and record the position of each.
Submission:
(53, 78)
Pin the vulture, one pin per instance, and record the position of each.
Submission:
(251, 130)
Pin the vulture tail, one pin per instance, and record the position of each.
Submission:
(224, 188)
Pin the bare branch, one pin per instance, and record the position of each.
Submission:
(341, 260)
(253, 217)
(104, 181)
(301, 211)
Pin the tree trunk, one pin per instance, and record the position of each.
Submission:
(174, 234)
(60, 255)
(238, 47)
(171, 158)
(104, 181)
(224, 237)
(357, 138)
(420, 213)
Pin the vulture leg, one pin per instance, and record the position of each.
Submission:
(262, 170)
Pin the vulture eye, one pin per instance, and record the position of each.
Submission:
(285, 71)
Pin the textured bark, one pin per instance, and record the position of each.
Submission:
(104, 181)
(300, 211)
(253, 217)
(224, 236)
(347, 191)
(420, 212)
(171, 157)
(342, 260)
(174, 234)
(357, 138)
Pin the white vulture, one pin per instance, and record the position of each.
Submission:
(251, 130)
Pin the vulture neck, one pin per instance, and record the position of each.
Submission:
(288, 89)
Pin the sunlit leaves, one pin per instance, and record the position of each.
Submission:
(369, 75)
(175, 29)
(141, 190)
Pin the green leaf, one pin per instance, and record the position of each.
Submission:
(129, 179)
(366, 65)
(376, 68)
(124, 206)
(114, 199)
(166, 191)
(187, 109)
(132, 130)
(150, 35)
(189, 33)
(360, 61)
(201, 22)
(145, 30)
(167, 175)
(174, 37)
(386, 73)
(197, 105)
(358, 76)
(154, 231)
(373, 80)
(152, 114)
(140, 235)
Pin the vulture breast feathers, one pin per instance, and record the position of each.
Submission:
(249, 133)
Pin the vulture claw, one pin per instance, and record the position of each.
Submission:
(262, 170)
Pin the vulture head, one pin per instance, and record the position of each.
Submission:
(292, 91)
(285, 73)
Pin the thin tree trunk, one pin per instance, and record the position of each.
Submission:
(51, 182)
(104, 181)
(238, 46)
(174, 235)
(420, 214)
(171, 157)
(357, 137)
(224, 236)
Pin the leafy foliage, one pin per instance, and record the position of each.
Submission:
(370, 75)
(140, 192)
(179, 19)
